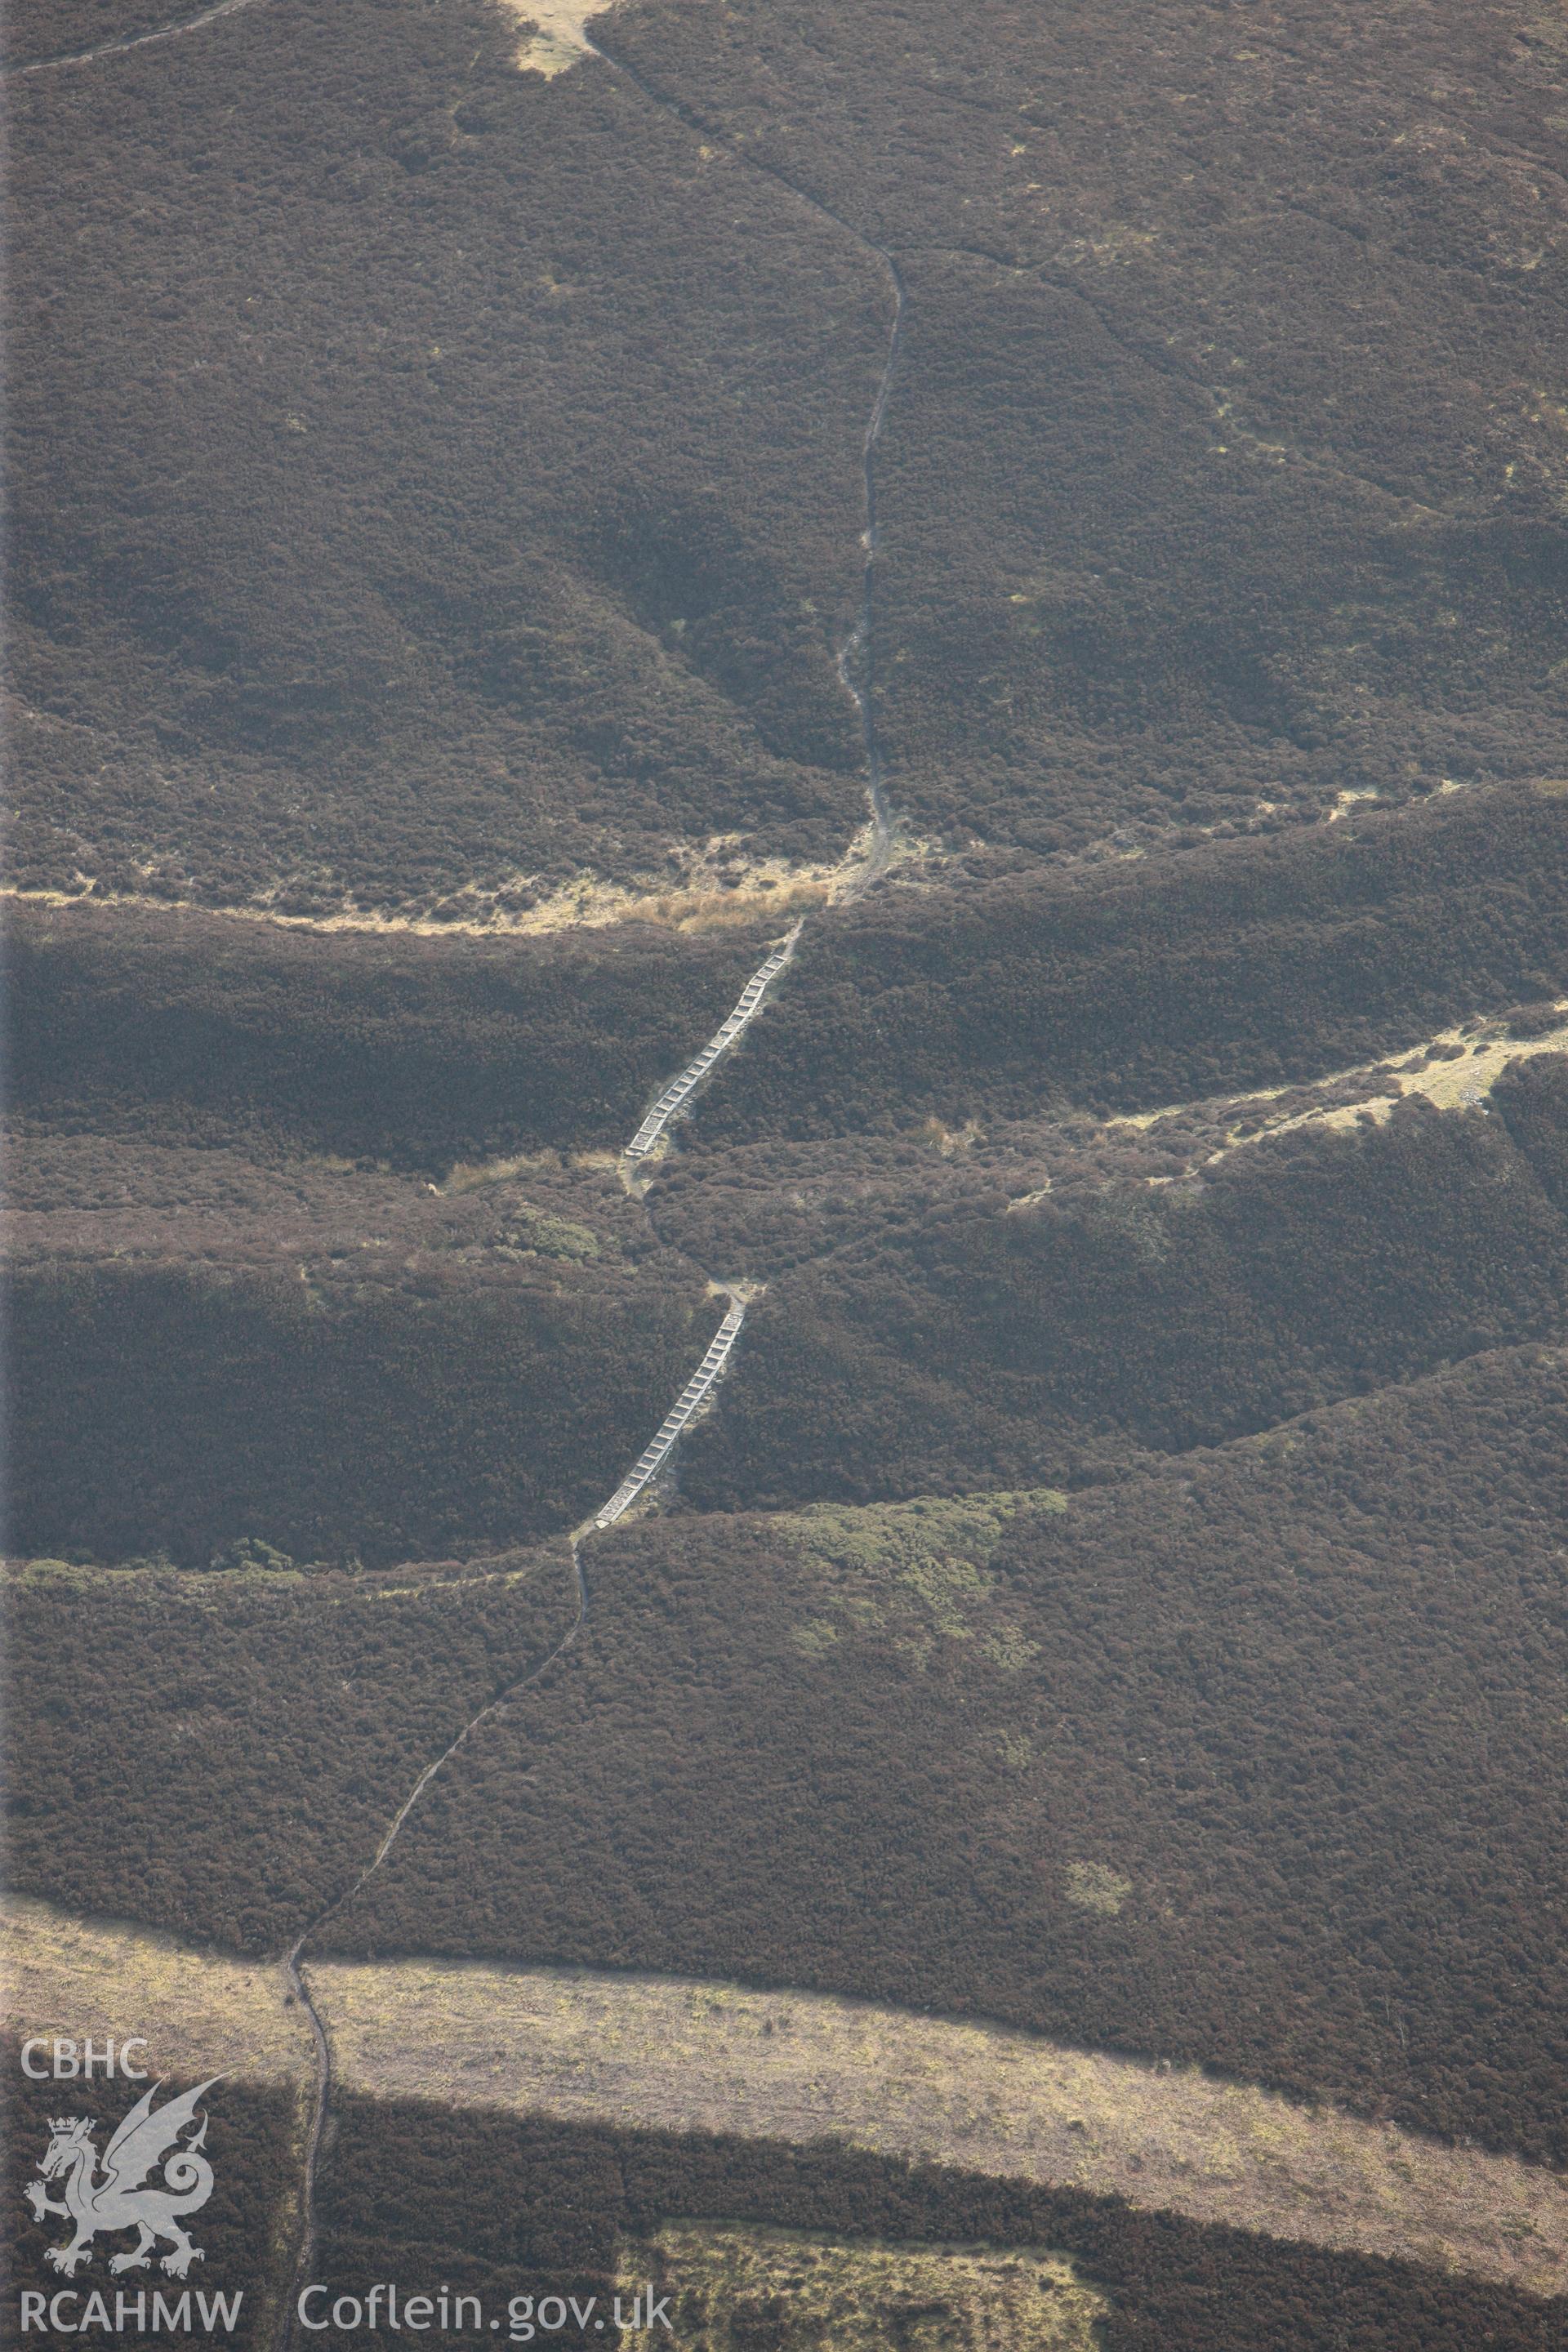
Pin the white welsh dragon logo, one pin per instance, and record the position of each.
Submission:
(121, 2197)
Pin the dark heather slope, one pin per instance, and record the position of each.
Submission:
(250, 2138)
(412, 1049)
(221, 1755)
(774, 1207)
(1252, 1762)
(63, 29)
(1532, 1100)
(1153, 981)
(592, 603)
(1157, 981)
(331, 1359)
(1216, 476)
(973, 1343)
(506, 2207)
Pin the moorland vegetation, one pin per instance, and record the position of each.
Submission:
(503, 2207)
(1217, 495)
(1217, 478)
(219, 1755)
(1143, 983)
(63, 28)
(591, 604)
(252, 2140)
(979, 1340)
(1160, 980)
(1242, 1760)
(415, 1050)
(336, 1360)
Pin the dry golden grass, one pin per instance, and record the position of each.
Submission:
(554, 35)
(734, 2283)
(1452, 1068)
(665, 2054)
(468, 1175)
(215, 1590)
(950, 1141)
(719, 889)
(199, 2012)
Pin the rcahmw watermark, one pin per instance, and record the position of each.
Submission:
(71, 2312)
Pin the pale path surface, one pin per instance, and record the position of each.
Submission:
(658, 1451)
(665, 2053)
(123, 42)
(747, 1006)
(1470, 1060)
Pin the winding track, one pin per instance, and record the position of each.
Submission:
(294, 1966)
(855, 659)
(126, 41)
(856, 672)
(855, 663)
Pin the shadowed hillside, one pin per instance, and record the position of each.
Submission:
(1244, 1760)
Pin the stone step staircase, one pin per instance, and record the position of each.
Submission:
(653, 1455)
(675, 1093)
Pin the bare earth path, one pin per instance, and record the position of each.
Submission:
(123, 42)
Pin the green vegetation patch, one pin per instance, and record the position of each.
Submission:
(549, 1236)
(1095, 1886)
(914, 1571)
(736, 2287)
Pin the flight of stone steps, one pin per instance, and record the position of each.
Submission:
(676, 1419)
(675, 1094)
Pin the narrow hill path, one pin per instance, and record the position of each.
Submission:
(124, 42)
(856, 671)
(856, 668)
(845, 2069)
(293, 1964)
(856, 654)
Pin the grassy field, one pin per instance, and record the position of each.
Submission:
(662, 2054)
(199, 2012)
(669, 2054)
(728, 2280)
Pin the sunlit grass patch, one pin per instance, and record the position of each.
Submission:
(734, 2285)
(914, 1572)
(1095, 1886)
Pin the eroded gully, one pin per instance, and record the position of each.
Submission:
(856, 668)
